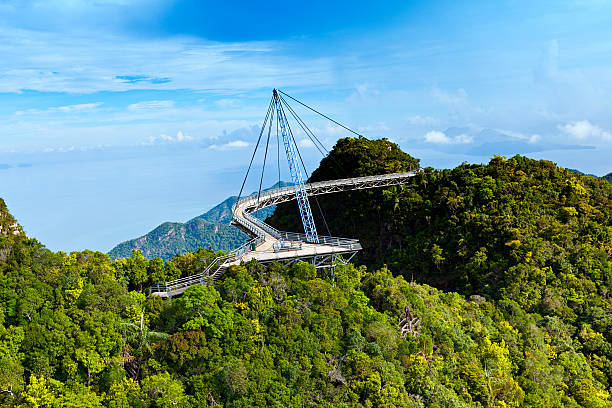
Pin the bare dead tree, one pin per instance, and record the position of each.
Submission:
(409, 324)
(335, 373)
(129, 362)
(9, 391)
(210, 400)
(423, 353)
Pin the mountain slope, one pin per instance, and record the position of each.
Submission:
(534, 237)
(76, 332)
(527, 243)
(9, 227)
(582, 173)
(10, 231)
(464, 228)
(171, 238)
(210, 229)
(608, 177)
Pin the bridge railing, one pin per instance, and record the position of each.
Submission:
(295, 236)
(323, 239)
(258, 228)
(356, 181)
(199, 278)
(262, 225)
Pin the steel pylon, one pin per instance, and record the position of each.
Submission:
(296, 174)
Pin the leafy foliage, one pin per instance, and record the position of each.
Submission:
(525, 243)
(515, 230)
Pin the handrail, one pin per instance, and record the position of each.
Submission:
(241, 214)
(241, 210)
(198, 278)
(319, 184)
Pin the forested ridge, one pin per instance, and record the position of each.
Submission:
(483, 286)
(211, 229)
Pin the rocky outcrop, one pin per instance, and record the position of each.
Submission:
(8, 225)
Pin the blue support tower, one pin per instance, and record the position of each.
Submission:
(296, 174)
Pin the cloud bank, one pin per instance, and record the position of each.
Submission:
(438, 137)
(585, 130)
(234, 144)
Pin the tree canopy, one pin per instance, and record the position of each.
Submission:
(482, 286)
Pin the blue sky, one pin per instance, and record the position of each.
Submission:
(101, 88)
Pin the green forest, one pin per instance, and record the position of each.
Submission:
(479, 286)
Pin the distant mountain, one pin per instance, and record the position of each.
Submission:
(583, 174)
(210, 229)
(606, 177)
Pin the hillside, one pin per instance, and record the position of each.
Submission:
(209, 230)
(453, 227)
(10, 231)
(9, 227)
(532, 326)
(171, 238)
(76, 332)
(606, 177)
(582, 173)
(522, 232)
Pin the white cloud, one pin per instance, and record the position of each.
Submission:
(585, 130)
(463, 139)
(88, 62)
(334, 130)
(227, 103)
(458, 99)
(438, 137)
(365, 89)
(235, 144)
(306, 143)
(378, 127)
(150, 105)
(457, 103)
(512, 133)
(163, 138)
(79, 107)
(534, 139)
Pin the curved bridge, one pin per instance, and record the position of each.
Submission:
(268, 244)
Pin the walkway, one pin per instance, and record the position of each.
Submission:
(271, 244)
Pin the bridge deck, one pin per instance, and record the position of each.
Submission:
(274, 245)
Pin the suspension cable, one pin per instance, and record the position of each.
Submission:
(305, 170)
(307, 130)
(299, 121)
(263, 169)
(254, 152)
(278, 153)
(316, 111)
(270, 115)
(303, 125)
